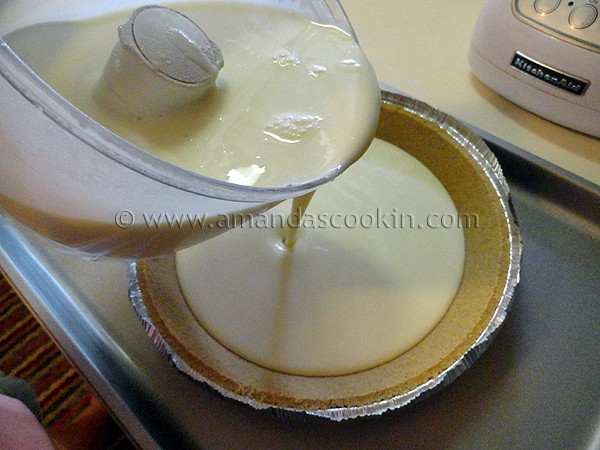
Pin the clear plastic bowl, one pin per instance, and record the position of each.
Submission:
(73, 181)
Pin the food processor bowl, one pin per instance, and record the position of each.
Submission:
(76, 183)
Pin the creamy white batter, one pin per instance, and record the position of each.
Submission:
(346, 297)
(294, 101)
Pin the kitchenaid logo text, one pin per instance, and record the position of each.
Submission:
(549, 75)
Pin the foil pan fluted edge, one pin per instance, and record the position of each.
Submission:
(476, 149)
(137, 301)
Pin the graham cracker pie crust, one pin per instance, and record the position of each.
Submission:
(472, 177)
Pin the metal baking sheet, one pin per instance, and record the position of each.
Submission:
(537, 385)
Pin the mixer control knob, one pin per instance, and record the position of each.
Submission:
(546, 6)
(583, 16)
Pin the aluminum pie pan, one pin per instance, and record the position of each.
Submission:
(474, 179)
